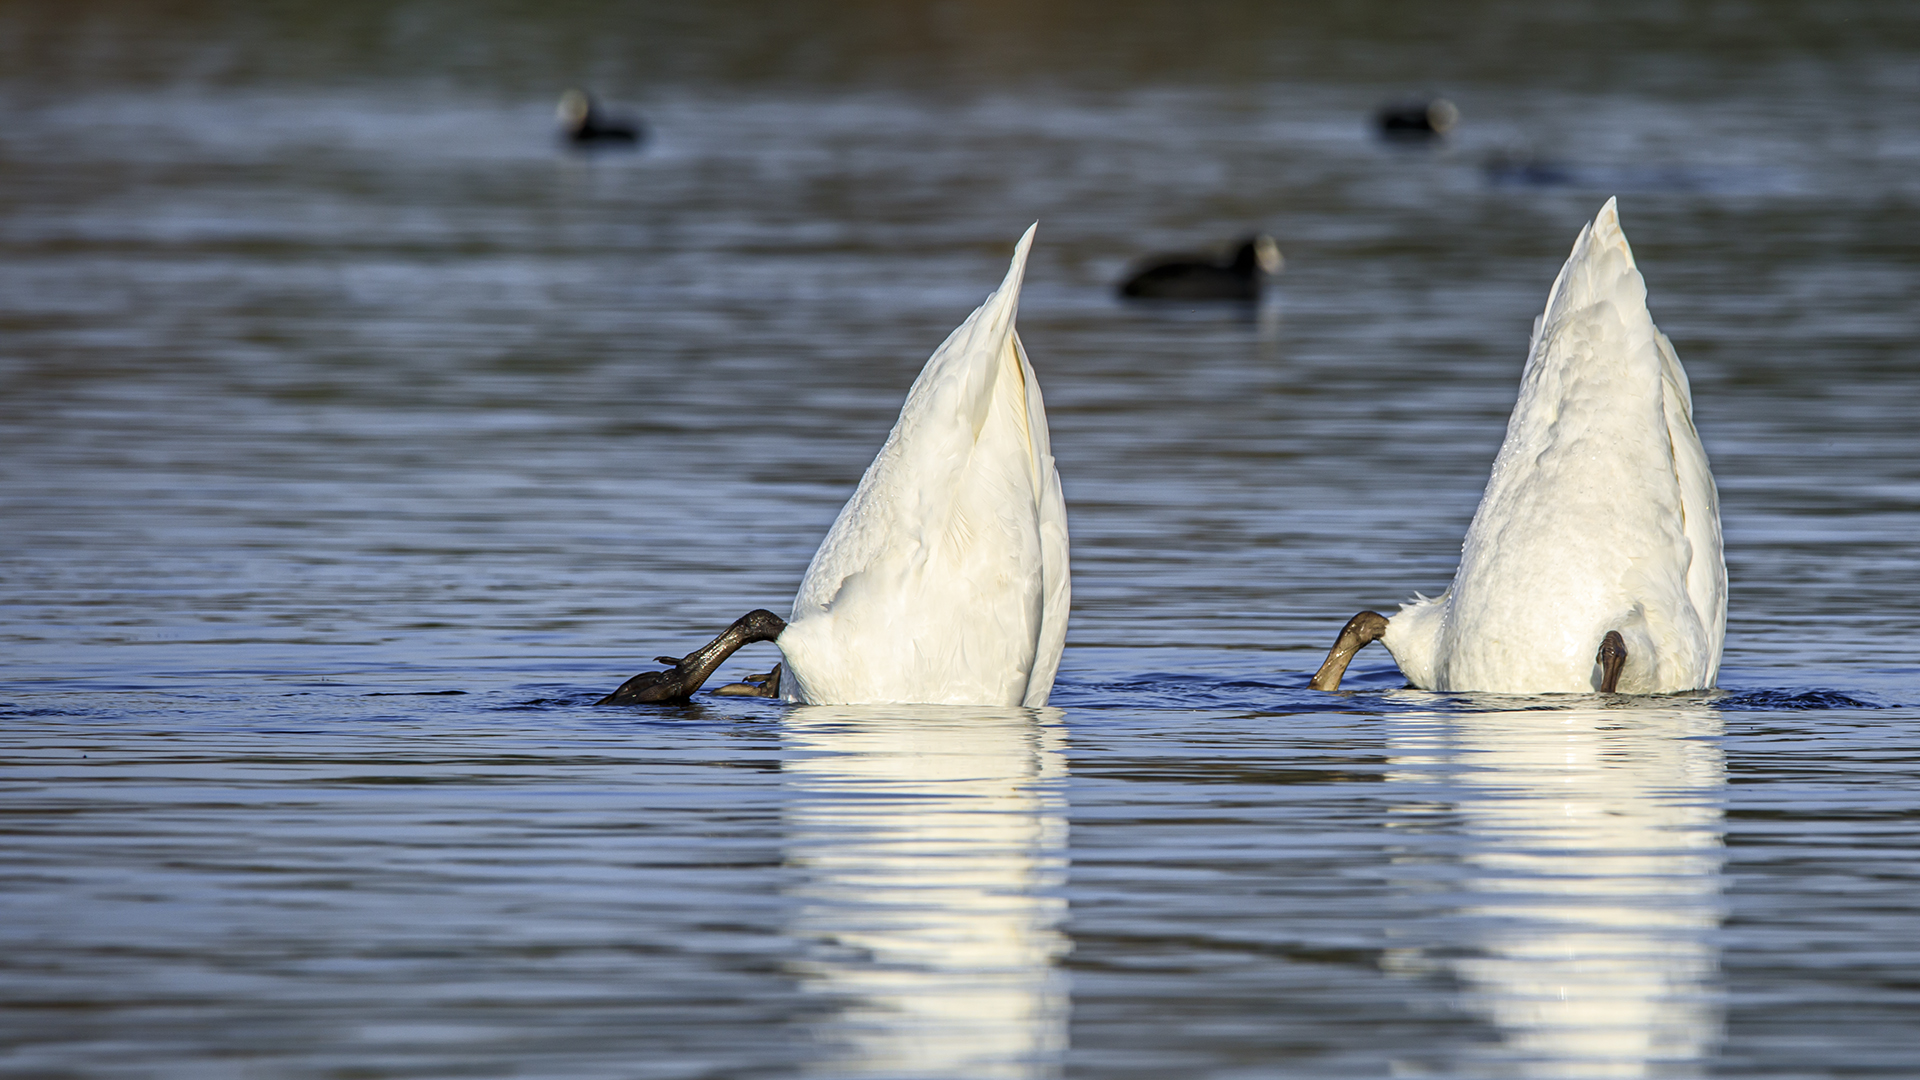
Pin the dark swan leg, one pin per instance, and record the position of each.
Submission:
(767, 685)
(1611, 658)
(688, 672)
(1360, 631)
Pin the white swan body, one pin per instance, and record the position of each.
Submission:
(1600, 515)
(944, 580)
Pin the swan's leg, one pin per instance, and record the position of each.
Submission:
(1360, 631)
(1611, 658)
(767, 685)
(679, 682)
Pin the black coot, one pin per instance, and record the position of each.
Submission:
(1417, 119)
(584, 123)
(1191, 277)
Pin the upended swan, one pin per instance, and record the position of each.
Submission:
(944, 579)
(1594, 561)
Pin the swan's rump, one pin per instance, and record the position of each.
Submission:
(944, 579)
(1599, 514)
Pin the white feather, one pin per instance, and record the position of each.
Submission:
(944, 579)
(1600, 514)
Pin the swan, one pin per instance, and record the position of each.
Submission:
(944, 580)
(1189, 277)
(1594, 561)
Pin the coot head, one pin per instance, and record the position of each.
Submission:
(1258, 254)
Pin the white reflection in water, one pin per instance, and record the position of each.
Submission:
(1592, 846)
(931, 844)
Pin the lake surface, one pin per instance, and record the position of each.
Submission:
(355, 437)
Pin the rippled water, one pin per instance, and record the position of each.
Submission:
(354, 437)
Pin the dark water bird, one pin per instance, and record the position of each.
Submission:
(1416, 119)
(584, 123)
(1197, 277)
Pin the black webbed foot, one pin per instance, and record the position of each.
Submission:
(767, 685)
(1612, 657)
(688, 672)
(1361, 630)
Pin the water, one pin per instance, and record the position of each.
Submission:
(354, 438)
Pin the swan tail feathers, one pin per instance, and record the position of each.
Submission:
(929, 447)
(1051, 516)
(961, 374)
(1599, 269)
(1056, 597)
(1706, 573)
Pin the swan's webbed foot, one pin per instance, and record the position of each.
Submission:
(767, 685)
(677, 683)
(1611, 658)
(1361, 630)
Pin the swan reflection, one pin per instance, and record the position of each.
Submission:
(1591, 860)
(930, 845)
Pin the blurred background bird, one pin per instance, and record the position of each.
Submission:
(584, 122)
(1239, 276)
(1416, 119)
